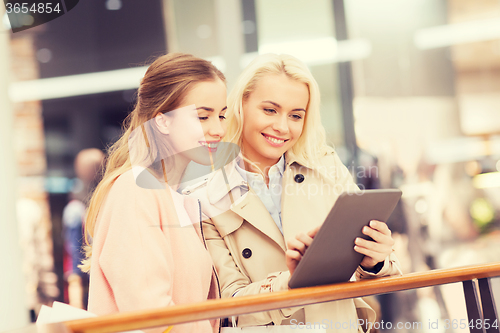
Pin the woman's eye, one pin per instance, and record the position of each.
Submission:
(221, 117)
(296, 116)
(202, 118)
(270, 110)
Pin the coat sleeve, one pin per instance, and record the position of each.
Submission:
(234, 283)
(391, 267)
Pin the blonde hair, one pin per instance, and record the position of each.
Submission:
(166, 82)
(312, 143)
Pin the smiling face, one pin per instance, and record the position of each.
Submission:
(274, 115)
(199, 122)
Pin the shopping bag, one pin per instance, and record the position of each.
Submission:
(273, 329)
(60, 312)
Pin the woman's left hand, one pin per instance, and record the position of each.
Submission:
(377, 250)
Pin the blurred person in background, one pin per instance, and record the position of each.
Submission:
(88, 165)
(274, 116)
(147, 251)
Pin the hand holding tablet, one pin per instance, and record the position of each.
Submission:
(351, 235)
(377, 250)
(374, 251)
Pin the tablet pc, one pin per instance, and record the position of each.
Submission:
(331, 257)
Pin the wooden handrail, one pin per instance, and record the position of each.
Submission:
(264, 302)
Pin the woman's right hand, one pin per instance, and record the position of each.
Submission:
(297, 248)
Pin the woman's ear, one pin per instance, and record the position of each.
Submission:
(163, 123)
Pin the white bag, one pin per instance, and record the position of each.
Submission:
(60, 312)
(273, 329)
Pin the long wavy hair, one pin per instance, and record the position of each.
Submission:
(311, 144)
(162, 89)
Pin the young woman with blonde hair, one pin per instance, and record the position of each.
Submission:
(262, 212)
(146, 249)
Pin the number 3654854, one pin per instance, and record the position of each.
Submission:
(39, 8)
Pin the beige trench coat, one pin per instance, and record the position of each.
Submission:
(248, 249)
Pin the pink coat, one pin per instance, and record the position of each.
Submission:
(143, 259)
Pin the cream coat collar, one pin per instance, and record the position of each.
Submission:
(221, 183)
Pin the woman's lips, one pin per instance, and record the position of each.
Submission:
(210, 145)
(274, 141)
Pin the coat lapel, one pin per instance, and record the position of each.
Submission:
(296, 210)
(224, 192)
(300, 210)
(292, 216)
(251, 209)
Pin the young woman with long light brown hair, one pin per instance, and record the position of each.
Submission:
(146, 250)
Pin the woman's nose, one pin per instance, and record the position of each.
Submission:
(281, 124)
(217, 129)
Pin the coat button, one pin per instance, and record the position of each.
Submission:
(247, 253)
(299, 178)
